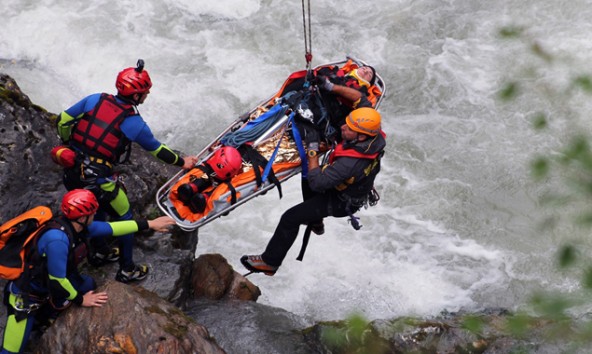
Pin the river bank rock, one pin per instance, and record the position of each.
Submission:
(213, 278)
(134, 320)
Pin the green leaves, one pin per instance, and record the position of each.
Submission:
(540, 168)
(509, 91)
(567, 256)
(584, 82)
(511, 31)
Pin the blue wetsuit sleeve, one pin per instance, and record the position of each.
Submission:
(116, 228)
(55, 246)
(99, 229)
(84, 105)
(136, 130)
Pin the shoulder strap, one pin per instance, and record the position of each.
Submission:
(259, 162)
(32, 258)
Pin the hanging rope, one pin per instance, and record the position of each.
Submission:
(307, 34)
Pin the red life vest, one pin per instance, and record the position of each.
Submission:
(339, 151)
(362, 185)
(98, 132)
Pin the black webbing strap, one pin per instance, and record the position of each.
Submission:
(305, 240)
(232, 192)
(259, 162)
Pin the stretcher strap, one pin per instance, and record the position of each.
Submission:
(301, 150)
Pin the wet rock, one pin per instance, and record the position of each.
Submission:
(213, 278)
(134, 320)
(249, 327)
(27, 174)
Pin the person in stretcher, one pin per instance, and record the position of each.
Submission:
(224, 164)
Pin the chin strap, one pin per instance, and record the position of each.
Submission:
(84, 224)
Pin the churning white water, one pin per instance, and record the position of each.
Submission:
(458, 225)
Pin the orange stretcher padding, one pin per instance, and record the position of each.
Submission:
(239, 180)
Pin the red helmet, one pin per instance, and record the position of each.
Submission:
(133, 80)
(226, 162)
(79, 202)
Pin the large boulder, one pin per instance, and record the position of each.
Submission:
(134, 320)
(213, 278)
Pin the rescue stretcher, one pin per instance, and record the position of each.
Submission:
(275, 143)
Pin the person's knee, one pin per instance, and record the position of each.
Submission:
(88, 284)
(290, 218)
(116, 200)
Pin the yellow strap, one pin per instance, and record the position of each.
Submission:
(100, 161)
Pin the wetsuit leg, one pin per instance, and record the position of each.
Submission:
(105, 195)
(83, 283)
(120, 209)
(16, 333)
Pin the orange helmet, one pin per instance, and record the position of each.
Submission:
(79, 202)
(364, 120)
(133, 80)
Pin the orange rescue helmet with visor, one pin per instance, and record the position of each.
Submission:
(364, 120)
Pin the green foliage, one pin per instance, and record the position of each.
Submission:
(518, 325)
(356, 337)
(551, 306)
(587, 281)
(573, 162)
(509, 91)
(473, 324)
(511, 32)
(539, 121)
(584, 82)
(567, 256)
(540, 167)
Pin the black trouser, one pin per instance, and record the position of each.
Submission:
(312, 209)
(308, 193)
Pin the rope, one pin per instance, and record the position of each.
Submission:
(253, 129)
(307, 34)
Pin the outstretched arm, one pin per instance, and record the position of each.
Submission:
(138, 131)
(124, 227)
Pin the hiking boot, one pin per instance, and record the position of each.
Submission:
(318, 228)
(100, 259)
(139, 272)
(255, 264)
